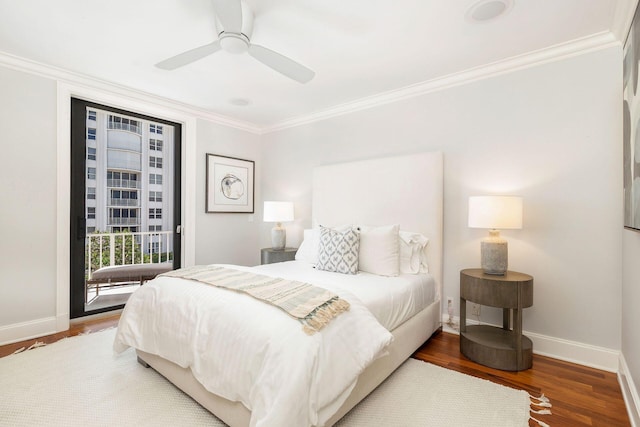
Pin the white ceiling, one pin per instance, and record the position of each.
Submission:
(358, 48)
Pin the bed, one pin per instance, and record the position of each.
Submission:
(405, 191)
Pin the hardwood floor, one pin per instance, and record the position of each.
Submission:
(580, 396)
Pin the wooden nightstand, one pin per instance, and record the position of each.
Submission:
(502, 348)
(270, 255)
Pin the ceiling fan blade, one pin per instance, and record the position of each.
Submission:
(281, 63)
(229, 13)
(189, 56)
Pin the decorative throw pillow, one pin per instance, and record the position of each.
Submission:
(379, 250)
(338, 250)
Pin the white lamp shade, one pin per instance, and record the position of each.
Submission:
(278, 211)
(495, 212)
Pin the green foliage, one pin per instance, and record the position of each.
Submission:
(155, 258)
(126, 249)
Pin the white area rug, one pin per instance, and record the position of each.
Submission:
(79, 382)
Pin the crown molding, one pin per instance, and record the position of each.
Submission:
(558, 52)
(623, 15)
(69, 77)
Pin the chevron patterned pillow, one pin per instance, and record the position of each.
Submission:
(338, 251)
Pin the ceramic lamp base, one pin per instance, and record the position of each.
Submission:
(494, 254)
(278, 237)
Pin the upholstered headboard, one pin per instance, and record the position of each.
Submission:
(405, 190)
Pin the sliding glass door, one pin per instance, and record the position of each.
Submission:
(125, 203)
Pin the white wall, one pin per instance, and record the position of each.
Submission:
(29, 119)
(28, 189)
(550, 133)
(226, 237)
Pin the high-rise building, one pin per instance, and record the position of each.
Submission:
(129, 179)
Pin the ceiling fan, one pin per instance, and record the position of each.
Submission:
(234, 24)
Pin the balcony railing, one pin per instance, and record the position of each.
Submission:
(124, 202)
(109, 249)
(124, 126)
(123, 183)
(123, 221)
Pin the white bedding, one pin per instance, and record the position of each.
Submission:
(392, 300)
(248, 351)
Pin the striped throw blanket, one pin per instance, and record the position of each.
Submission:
(313, 306)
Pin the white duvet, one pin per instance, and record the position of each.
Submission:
(248, 351)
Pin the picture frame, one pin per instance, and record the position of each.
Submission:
(229, 184)
(631, 126)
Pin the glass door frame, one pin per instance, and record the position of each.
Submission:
(77, 229)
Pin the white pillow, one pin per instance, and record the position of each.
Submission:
(379, 250)
(413, 253)
(338, 250)
(308, 250)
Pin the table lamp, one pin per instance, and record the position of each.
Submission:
(278, 212)
(494, 213)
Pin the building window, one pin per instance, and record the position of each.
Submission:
(91, 193)
(91, 213)
(122, 179)
(91, 230)
(155, 144)
(123, 229)
(155, 228)
(91, 153)
(91, 133)
(122, 213)
(91, 115)
(122, 123)
(154, 247)
(155, 162)
(155, 196)
(157, 129)
(91, 173)
(124, 194)
(155, 213)
(124, 198)
(155, 178)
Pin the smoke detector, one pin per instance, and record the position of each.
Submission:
(488, 10)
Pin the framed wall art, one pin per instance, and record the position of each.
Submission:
(631, 127)
(229, 185)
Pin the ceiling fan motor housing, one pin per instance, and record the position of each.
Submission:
(234, 43)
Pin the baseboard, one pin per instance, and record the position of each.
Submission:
(27, 330)
(629, 392)
(557, 348)
(45, 326)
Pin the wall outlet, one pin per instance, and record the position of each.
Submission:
(450, 307)
(475, 309)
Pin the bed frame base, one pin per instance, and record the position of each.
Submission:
(408, 337)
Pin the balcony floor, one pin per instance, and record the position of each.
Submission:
(110, 297)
